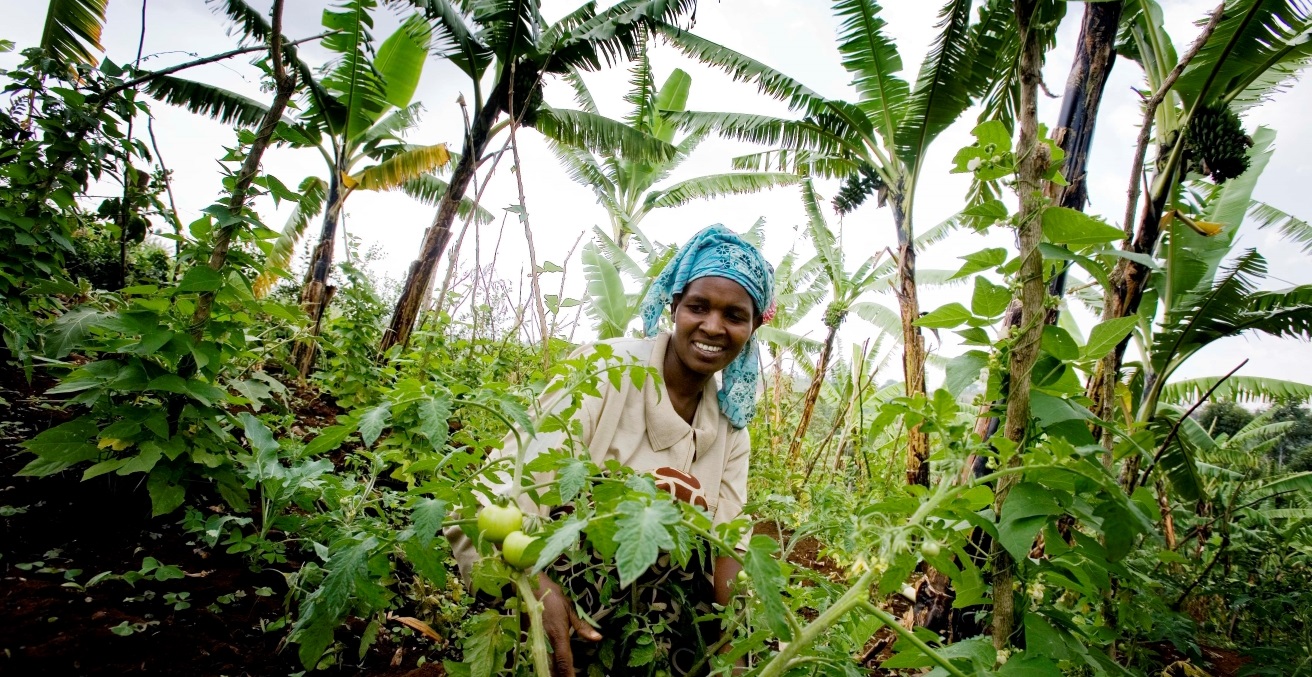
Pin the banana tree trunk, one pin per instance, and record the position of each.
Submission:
(812, 394)
(1129, 279)
(419, 279)
(1033, 162)
(316, 294)
(913, 342)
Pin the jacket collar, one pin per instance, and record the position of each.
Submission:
(665, 427)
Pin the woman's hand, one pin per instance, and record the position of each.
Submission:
(558, 618)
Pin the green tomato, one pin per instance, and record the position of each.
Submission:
(495, 522)
(930, 549)
(742, 576)
(514, 550)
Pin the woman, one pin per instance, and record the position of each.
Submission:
(693, 437)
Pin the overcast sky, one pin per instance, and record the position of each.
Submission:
(795, 36)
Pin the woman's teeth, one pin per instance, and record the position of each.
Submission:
(707, 348)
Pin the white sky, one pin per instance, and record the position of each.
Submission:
(794, 36)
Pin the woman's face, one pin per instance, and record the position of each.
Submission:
(713, 320)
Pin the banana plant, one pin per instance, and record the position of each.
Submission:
(71, 34)
(1194, 299)
(845, 290)
(507, 50)
(627, 187)
(370, 109)
(605, 264)
(355, 115)
(1252, 49)
(798, 290)
(879, 142)
(852, 394)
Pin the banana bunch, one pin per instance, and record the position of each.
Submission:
(1215, 144)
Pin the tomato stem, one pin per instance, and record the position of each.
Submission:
(536, 635)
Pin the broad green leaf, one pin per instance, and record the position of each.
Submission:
(964, 370)
(60, 447)
(1029, 665)
(1026, 509)
(1106, 335)
(1062, 225)
(166, 494)
(989, 300)
(1059, 344)
(400, 60)
(258, 435)
(642, 532)
(1051, 410)
(984, 259)
(68, 331)
(145, 461)
(769, 582)
(945, 317)
(200, 278)
(985, 213)
(1041, 639)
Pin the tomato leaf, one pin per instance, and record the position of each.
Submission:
(434, 413)
(373, 422)
(642, 533)
(571, 479)
(565, 537)
(322, 611)
(768, 580)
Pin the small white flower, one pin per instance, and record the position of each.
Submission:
(974, 163)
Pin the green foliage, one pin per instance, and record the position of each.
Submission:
(1144, 528)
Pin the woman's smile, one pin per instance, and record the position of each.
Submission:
(712, 350)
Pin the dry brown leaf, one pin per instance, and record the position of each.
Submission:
(418, 626)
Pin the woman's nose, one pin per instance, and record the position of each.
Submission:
(714, 324)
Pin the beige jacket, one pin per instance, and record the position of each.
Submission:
(639, 428)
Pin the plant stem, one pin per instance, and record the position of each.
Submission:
(537, 637)
(854, 597)
(911, 638)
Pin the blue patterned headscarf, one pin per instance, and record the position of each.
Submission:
(718, 252)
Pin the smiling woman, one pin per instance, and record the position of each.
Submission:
(687, 432)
